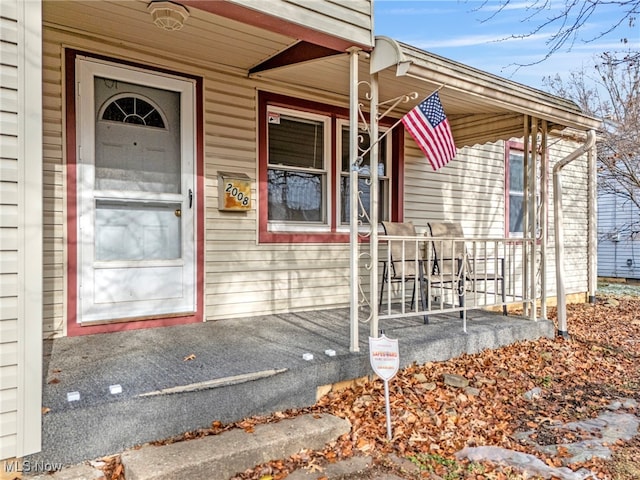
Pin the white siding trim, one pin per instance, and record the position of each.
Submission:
(29, 400)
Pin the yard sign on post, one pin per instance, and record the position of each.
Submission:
(385, 360)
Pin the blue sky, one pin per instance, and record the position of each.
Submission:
(465, 31)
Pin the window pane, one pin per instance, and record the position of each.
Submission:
(133, 110)
(296, 196)
(364, 197)
(296, 142)
(130, 154)
(364, 144)
(516, 172)
(137, 231)
(516, 212)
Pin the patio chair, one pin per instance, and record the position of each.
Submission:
(453, 261)
(402, 268)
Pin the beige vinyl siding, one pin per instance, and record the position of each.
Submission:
(576, 217)
(470, 190)
(20, 229)
(352, 20)
(54, 271)
(8, 230)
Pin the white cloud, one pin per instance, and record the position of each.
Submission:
(417, 11)
(496, 6)
(478, 40)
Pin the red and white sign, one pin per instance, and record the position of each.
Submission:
(384, 356)
(273, 117)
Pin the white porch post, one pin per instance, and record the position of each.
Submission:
(533, 213)
(373, 214)
(525, 212)
(354, 274)
(544, 231)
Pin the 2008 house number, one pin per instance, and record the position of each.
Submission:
(237, 194)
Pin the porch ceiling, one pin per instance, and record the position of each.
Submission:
(205, 37)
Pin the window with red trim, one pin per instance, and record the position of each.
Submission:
(515, 181)
(304, 171)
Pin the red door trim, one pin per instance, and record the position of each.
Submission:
(73, 327)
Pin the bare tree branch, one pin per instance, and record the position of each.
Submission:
(567, 23)
(611, 93)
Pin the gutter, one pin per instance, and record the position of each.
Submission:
(592, 248)
(559, 230)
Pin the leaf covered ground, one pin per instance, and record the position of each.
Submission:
(576, 379)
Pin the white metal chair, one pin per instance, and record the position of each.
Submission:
(404, 258)
(453, 261)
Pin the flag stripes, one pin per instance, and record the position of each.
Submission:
(429, 127)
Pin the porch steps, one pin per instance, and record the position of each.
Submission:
(222, 456)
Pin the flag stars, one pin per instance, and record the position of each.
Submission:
(433, 111)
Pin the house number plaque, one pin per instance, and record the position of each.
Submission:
(234, 192)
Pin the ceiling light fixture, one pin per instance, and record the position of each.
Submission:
(168, 15)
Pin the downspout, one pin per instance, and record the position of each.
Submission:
(592, 249)
(559, 230)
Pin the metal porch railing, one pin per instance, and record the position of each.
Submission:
(447, 275)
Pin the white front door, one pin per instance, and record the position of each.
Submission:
(135, 199)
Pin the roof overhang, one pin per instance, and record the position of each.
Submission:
(481, 107)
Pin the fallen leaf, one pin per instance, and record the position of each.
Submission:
(117, 472)
(189, 358)
(54, 380)
(45, 410)
(314, 467)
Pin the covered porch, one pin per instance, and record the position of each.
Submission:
(172, 380)
(246, 263)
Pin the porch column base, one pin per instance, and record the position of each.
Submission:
(592, 299)
(564, 334)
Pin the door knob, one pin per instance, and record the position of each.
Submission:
(178, 212)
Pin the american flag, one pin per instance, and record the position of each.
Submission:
(429, 127)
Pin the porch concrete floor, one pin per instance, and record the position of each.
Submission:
(268, 350)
